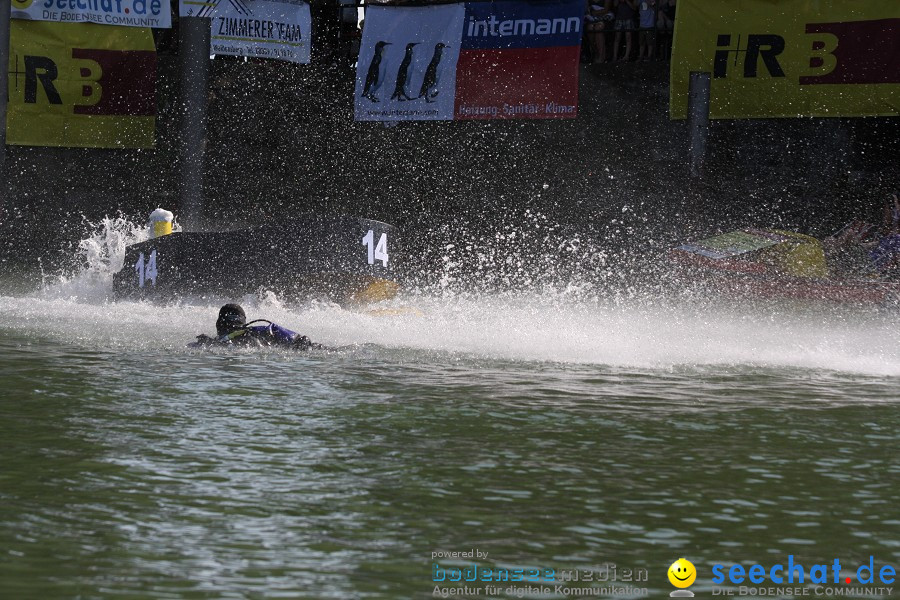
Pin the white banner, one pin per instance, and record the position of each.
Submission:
(407, 63)
(277, 29)
(130, 13)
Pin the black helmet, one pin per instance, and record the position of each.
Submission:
(231, 318)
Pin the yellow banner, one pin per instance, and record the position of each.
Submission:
(81, 85)
(789, 58)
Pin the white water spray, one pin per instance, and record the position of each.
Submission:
(100, 254)
(557, 326)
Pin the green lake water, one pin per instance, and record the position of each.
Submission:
(547, 434)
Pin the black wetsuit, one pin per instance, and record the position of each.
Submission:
(258, 336)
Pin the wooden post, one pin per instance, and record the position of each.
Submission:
(5, 8)
(698, 120)
(193, 48)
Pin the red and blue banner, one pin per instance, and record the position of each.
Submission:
(475, 60)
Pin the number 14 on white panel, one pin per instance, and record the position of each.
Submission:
(146, 272)
(377, 251)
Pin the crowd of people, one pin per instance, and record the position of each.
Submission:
(620, 25)
(864, 246)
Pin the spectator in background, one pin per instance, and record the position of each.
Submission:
(349, 18)
(599, 15)
(647, 34)
(167, 39)
(859, 247)
(666, 14)
(349, 33)
(886, 255)
(626, 10)
(665, 22)
(891, 215)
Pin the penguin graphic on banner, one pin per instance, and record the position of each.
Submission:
(376, 73)
(430, 82)
(416, 51)
(403, 75)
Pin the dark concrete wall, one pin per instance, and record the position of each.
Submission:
(282, 139)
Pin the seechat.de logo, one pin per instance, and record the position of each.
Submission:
(682, 574)
(795, 572)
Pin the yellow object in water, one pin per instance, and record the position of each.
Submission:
(161, 222)
(799, 256)
(379, 290)
(161, 228)
(376, 290)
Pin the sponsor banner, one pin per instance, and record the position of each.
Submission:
(829, 58)
(128, 13)
(476, 60)
(519, 60)
(277, 29)
(406, 68)
(81, 85)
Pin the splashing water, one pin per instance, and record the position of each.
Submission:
(303, 463)
(100, 255)
(554, 323)
(492, 328)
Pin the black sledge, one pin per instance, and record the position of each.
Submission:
(345, 259)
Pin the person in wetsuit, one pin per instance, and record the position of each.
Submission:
(886, 255)
(232, 329)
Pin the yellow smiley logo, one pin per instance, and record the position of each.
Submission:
(21, 4)
(682, 573)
